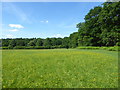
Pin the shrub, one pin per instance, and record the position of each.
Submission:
(105, 48)
(3, 47)
(118, 44)
(10, 47)
(115, 48)
(88, 47)
(19, 47)
(38, 47)
(29, 47)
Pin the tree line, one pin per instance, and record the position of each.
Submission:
(37, 43)
(101, 28)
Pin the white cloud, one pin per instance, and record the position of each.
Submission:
(15, 25)
(14, 30)
(44, 21)
(58, 35)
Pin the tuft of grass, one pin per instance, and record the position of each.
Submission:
(60, 68)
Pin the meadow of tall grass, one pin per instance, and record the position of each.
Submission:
(60, 68)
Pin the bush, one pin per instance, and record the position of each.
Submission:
(10, 47)
(3, 47)
(38, 47)
(19, 47)
(42, 47)
(114, 48)
(88, 47)
(104, 48)
(29, 47)
(118, 44)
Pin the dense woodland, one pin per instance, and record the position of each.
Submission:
(101, 28)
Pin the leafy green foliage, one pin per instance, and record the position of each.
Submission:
(32, 43)
(73, 40)
(101, 26)
(39, 42)
(12, 43)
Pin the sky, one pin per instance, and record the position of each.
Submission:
(43, 19)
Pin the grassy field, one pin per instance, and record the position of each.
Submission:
(60, 68)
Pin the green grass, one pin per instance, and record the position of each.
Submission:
(60, 68)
